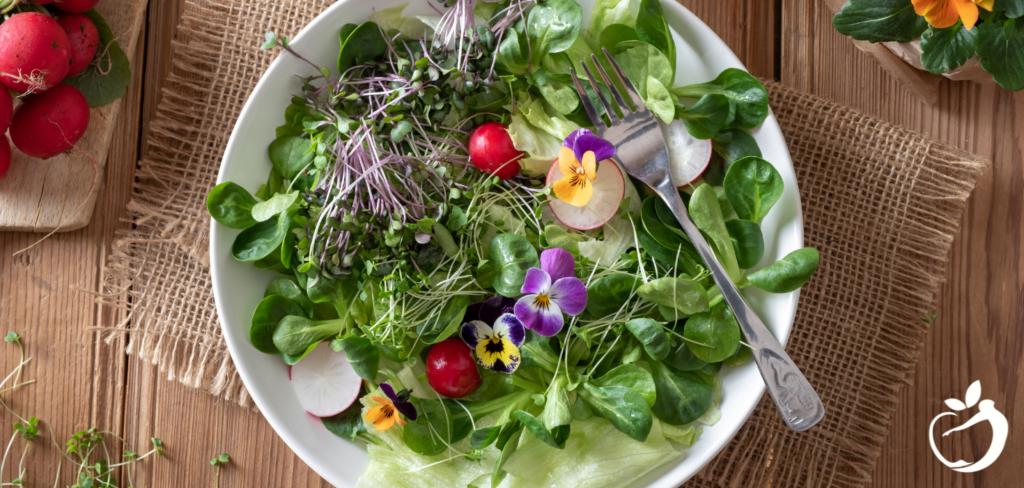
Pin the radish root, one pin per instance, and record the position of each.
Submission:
(36, 80)
(95, 178)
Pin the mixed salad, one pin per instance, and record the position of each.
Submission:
(468, 282)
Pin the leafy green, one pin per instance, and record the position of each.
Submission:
(659, 100)
(608, 12)
(107, 78)
(289, 288)
(707, 216)
(680, 293)
(946, 49)
(1012, 8)
(483, 437)
(879, 20)
(556, 237)
(753, 186)
(278, 203)
(533, 140)
(633, 377)
(747, 240)
(682, 396)
(639, 60)
(295, 334)
(347, 424)
(512, 255)
(555, 438)
(734, 144)
(787, 274)
(656, 226)
(392, 18)
(440, 326)
(258, 241)
(364, 44)
(537, 352)
(746, 96)
(361, 354)
(742, 355)
(231, 206)
(606, 295)
(713, 336)
(556, 125)
(512, 52)
(562, 97)
(614, 35)
(553, 26)
(268, 314)
(707, 117)
(1000, 56)
(681, 358)
(556, 411)
(437, 425)
(290, 155)
(652, 28)
(625, 408)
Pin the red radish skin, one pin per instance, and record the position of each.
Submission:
(325, 382)
(451, 370)
(50, 123)
(34, 53)
(84, 39)
(609, 190)
(491, 151)
(5, 155)
(75, 6)
(6, 110)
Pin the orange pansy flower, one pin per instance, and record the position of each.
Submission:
(383, 416)
(944, 13)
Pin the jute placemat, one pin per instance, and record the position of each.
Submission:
(881, 203)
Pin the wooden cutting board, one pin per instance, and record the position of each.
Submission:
(40, 196)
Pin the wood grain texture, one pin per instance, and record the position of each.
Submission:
(978, 334)
(43, 195)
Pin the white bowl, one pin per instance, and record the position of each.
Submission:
(238, 287)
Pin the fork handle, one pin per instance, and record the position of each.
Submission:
(796, 400)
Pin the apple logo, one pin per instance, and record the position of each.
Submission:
(986, 413)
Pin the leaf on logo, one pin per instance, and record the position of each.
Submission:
(955, 404)
(973, 394)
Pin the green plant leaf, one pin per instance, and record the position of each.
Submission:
(258, 241)
(787, 274)
(682, 396)
(268, 314)
(278, 203)
(555, 438)
(631, 376)
(512, 255)
(707, 117)
(347, 424)
(290, 155)
(365, 43)
(556, 411)
(483, 437)
(511, 52)
(879, 21)
(608, 12)
(1012, 8)
(747, 97)
(623, 407)
(231, 206)
(294, 334)
(734, 144)
(659, 100)
(680, 293)
(289, 288)
(753, 186)
(614, 35)
(607, 294)
(747, 240)
(1002, 57)
(361, 354)
(651, 335)
(562, 97)
(537, 352)
(713, 336)
(441, 326)
(706, 213)
(681, 358)
(652, 28)
(553, 26)
(946, 49)
(639, 60)
(107, 79)
(657, 227)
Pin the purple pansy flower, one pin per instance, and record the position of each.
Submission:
(496, 343)
(489, 310)
(400, 400)
(549, 291)
(582, 140)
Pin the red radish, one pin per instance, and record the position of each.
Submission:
(75, 6)
(50, 123)
(491, 151)
(34, 52)
(689, 156)
(6, 110)
(5, 155)
(609, 190)
(451, 370)
(325, 382)
(84, 39)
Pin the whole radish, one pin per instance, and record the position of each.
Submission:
(5, 155)
(50, 123)
(34, 52)
(75, 6)
(6, 110)
(84, 38)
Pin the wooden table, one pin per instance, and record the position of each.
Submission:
(978, 335)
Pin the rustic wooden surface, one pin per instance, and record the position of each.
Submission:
(43, 195)
(978, 334)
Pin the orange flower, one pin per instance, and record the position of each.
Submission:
(574, 187)
(383, 416)
(945, 13)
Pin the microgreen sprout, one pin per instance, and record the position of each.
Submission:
(217, 462)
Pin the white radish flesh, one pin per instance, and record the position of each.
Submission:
(689, 156)
(609, 189)
(325, 382)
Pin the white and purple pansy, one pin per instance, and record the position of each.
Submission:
(549, 291)
(496, 345)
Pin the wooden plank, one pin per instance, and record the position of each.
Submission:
(978, 335)
(43, 195)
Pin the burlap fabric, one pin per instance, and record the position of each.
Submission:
(881, 203)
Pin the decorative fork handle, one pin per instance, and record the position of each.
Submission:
(796, 400)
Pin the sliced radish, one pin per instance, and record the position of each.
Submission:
(609, 189)
(325, 382)
(690, 156)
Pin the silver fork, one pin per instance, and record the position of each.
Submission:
(640, 149)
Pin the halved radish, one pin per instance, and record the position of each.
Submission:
(609, 189)
(689, 156)
(325, 381)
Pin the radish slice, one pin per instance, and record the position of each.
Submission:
(325, 382)
(689, 156)
(609, 189)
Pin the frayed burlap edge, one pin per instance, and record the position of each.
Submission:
(882, 204)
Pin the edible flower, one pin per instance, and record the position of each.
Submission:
(549, 291)
(945, 13)
(497, 346)
(577, 160)
(489, 310)
(385, 415)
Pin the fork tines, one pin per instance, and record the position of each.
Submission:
(599, 123)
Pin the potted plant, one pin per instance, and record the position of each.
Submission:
(957, 38)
